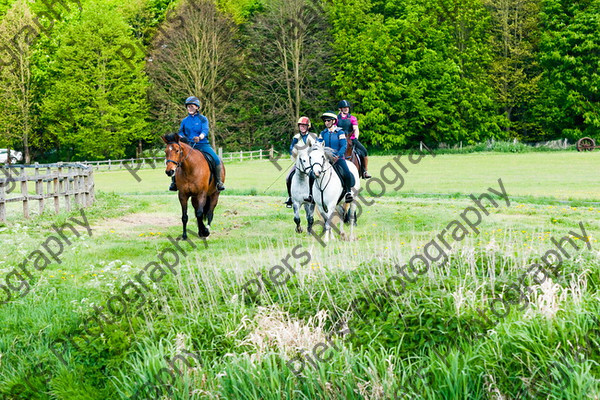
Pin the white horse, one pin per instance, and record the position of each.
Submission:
(328, 191)
(299, 191)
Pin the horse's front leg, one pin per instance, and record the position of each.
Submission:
(198, 203)
(352, 220)
(297, 216)
(183, 201)
(310, 210)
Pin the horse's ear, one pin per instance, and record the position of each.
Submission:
(164, 139)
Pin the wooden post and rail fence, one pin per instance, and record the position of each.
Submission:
(71, 182)
(153, 162)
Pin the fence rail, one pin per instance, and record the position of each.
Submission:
(72, 182)
(152, 162)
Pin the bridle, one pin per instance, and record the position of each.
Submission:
(178, 163)
(305, 170)
(322, 188)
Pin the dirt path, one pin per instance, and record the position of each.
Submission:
(136, 224)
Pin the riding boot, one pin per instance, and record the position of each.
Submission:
(288, 183)
(220, 186)
(311, 180)
(173, 186)
(347, 186)
(366, 174)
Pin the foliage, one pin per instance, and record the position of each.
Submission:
(95, 104)
(570, 53)
(439, 71)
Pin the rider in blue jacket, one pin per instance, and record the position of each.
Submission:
(194, 130)
(335, 139)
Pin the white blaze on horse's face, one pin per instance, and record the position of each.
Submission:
(172, 154)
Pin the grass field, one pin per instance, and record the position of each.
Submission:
(438, 339)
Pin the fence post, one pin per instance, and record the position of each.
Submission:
(24, 193)
(271, 153)
(57, 186)
(77, 187)
(241, 156)
(109, 165)
(91, 188)
(260, 154)
(220, 153)
(39, 188)
(67, 186)
(48, 180)
(2, 202)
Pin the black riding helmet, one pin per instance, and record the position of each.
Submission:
(343, 103)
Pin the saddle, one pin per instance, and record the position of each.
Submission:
(212, 166)
(340, 173)
(355, 155)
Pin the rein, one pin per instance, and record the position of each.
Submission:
(322, 189)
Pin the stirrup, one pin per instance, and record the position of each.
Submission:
(349, 198)
(220, 186)
(288, 202)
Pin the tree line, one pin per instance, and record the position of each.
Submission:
(101, 79)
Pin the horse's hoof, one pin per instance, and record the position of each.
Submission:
(204, 233)
(298, 229)
(182, 237)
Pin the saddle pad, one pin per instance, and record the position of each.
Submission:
(211, 165)
(340, 173)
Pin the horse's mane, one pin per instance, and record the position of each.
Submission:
(171, 138)
(329, 153)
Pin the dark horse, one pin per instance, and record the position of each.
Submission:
(193, 179)
(352, 156)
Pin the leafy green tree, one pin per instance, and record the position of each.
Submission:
(569, 56)
(96, 101)
(289, 50)
(415, 69)
(515, 69)
(195, 54)
(17, 115)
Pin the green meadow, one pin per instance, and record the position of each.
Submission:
(484, 325)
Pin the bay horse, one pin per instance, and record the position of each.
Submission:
(328, 191)
(193, 180)
(300, 190)
(352, 156)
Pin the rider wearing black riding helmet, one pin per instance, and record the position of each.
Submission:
(349, 124)
(334, 138)
(194, 131)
